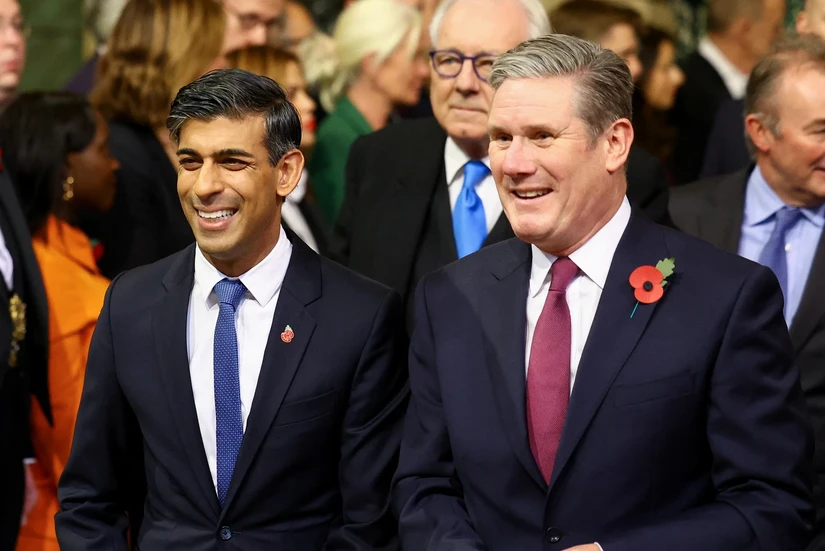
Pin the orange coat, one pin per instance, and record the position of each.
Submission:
(75, 291)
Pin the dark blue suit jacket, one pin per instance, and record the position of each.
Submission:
(686, 428)
(321, 441)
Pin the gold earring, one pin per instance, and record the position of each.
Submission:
(68, 189)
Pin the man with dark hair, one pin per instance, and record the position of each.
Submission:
(739, 33)
(773, 211)
(244, 393)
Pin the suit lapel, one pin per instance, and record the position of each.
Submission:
(399, 230)
(301, 287)
(721, 223)
(614, 333)
(169, 325)
(505, 320)
(810, 311)
(35, 292)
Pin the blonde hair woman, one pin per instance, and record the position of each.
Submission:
(156, 47)
(376, 66)
(299, 211)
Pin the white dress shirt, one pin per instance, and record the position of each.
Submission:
(454, 161)
(6, 265)
(292, 215)
(593, 259)
(253, 321)
(735, 80)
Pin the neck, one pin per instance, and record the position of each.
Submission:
(373, 104)
(237, 266)
(607, 215)
(473, 148)
(733, 51)
(789, 194)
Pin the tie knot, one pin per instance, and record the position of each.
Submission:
(474, 173)
(786, 217)
(563, 272)
(230, 291)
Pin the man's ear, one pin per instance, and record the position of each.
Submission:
(288, 172)
(759, 133)
(619, 139)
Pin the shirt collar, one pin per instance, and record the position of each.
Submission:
(455, 159)
(762, 202)
(593, 258)
(735, 80)
(263, 281)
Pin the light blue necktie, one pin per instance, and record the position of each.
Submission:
(774, 255)
(469, 221)
(228, 419)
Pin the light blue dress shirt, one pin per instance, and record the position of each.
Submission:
(761, 204)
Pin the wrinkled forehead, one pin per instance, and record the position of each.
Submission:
(476, 26)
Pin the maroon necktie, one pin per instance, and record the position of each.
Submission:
(548, 373)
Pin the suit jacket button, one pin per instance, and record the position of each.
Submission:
(553, 535)
(226, 533)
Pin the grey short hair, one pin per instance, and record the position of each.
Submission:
(604, 87)
(790, 52)
(538, 22)
(237, 94)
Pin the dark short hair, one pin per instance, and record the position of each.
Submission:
(38, 130)
(238, 94)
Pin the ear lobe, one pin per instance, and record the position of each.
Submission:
(290, 168)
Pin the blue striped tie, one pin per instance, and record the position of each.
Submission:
(228, 418)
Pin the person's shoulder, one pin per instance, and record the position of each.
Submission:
(477, 270)
(140, 287)
(708, 190)
(342, 283)
(405, 132)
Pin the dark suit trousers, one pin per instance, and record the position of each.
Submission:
(13, 422)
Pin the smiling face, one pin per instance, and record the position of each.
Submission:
(12, 48)
(230, 193)
(557, 187)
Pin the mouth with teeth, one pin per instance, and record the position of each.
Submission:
(531, 194)
(225, 214)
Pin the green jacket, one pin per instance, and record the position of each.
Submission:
(327, 167)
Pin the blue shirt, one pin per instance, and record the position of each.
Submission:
(761, 205)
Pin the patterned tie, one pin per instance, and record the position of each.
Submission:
(548, 373)
(228, 418)
(469, 222)
(774, 254)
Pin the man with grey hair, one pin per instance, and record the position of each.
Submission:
(597, 382)
(419, 194)
(773, 212)
(244, 393)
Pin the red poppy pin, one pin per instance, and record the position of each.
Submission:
(287, 335)
(649, 282)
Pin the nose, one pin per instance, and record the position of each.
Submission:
(517, 161)
(467, 81)
(207, 183)
(256, 36)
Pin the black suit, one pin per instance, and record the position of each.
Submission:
(30, 376)
(146, 222)
(713, 210)
(395, 224)
(321, 441)
(695, 109)
(726, 150)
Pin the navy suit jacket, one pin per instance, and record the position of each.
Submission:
(686, 427)
(321, 441)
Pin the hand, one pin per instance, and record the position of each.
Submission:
(31, 495)
(588, 547)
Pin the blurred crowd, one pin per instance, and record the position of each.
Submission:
(393, 104)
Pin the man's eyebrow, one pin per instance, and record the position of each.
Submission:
(228, 152)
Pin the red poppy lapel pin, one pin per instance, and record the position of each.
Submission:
(649, 282)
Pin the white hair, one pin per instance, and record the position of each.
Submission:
(366, 27)
(538, 23)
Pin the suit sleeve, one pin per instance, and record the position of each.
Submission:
(97, 489)
(340, 244)
(760, 439)
(371, 437)
(427, 495)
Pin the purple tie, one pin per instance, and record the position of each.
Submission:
(548, 373)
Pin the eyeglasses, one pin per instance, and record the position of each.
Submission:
(449, 63)
(250, 21)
